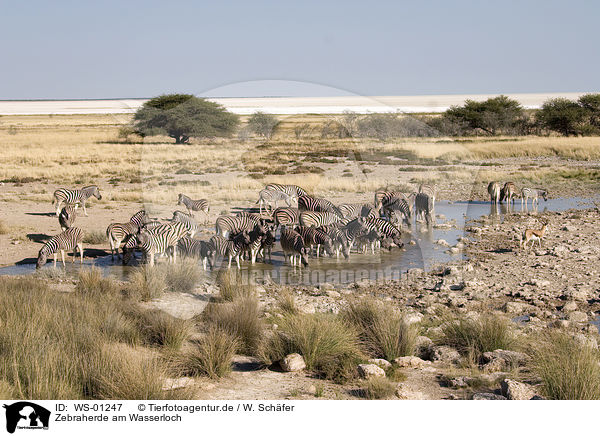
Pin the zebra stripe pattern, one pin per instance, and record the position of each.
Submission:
(232, 248)
(339, 241)
(307, 203)
(534, 194)
(118, 232)
(384, 196)
(187, 220)
(161, 239)
(193, 205)
(269, 198)
(317, 219)
(358, 209)
(509, 192)
(73, 196)
(293, 246)
(70, 239)
(398, 205)
(386, 228)
(424, 207)
(197, 249)
(291, 190)
(494, 191)
(313, 236)
(235, 224)
(67, 216)
(284, 216)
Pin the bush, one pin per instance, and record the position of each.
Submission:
(183, 276)
(241, 319)
(569, 370)
(183, 116)
(287, 303)
(95, 237)
(160, 328)
(329, 346)
(91, 281)
(472, 338)
(382, 331)
(263, 124)
(231, 287)
(561, 115)
(146, 283)
(378, 388)
(211, 355)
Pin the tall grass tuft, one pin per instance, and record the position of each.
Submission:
(378, 388)
(472, 337)
(182, 276)
(210, 356)
(241, 319)
(330, 346)
(146, 283)
(287, 303)
(91, 281)
(160, 328)
(231, 286)
(94, 237)
(382, 331)
(569, 370)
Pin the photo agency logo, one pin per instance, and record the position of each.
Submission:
(25, 415)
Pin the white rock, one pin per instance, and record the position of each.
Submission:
(370, 370)
(292, 363)
(411, 362)
(380, 362)
(514, 390)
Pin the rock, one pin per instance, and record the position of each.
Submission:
(423, 346)
(516, 307)
(381, 363)
(503, 360)
(514, 390)
(326, 287)
(445, 354)
(559, 251)
(405, 393)
(410, 362)
(570, 229)
(312, 390)
(454, 250)
(570, 306)
(577, 316)
(170, 384)
(487, 396)
(413, 318)
(540, 283)
(370, 370)
(442, 242)
(292, 363)
(460, 382)
(333, 294)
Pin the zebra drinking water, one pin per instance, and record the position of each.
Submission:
(70, 239)
(74, 196)
(293, 246)
(229, 247)
(197, 249)
(315, 237)
(117, 232)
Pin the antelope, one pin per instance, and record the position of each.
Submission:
(533, 235)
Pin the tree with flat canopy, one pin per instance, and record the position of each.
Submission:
(184, 116)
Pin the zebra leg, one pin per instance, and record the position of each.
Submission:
(58, 204)
(83, 207)
(237, 261)
(81, 252)
(55, 256)
(229, 265)
(62, 254)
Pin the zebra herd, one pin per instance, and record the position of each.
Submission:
(306, 225)
(510, 193)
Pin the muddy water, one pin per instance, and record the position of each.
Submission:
(424, 253)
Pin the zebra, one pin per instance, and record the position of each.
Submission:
(70, 239)
(293, 246)
(234, 224)
(130, 244)
(317, 219)
(291, 190)
(160, 239)
(369, 239)
(424, 207)
(74, 196)
(356, 210)
(509, 192)
(383, 196)
(253, 246)
(314, 236)
(193, 205)
(283, 216)
(387, 229)
(67, 216)
(118, 232)
(339, 241)
(308, 203)
(534, 194)
(494, 191)
(354, 229)
(269, 197)
(229, 247)
(196, 248)
(399, 204)
(187, 220)
(266, 244)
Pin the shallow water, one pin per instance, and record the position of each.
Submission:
(379, 266)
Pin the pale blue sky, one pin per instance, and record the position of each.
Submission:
(110, 49)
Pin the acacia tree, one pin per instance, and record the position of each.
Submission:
(263, 124)
(561, 115)
(183, 116)
(591, 106)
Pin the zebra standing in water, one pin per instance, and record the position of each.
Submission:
(424, 207)
(403, 205)
(339, 241)
(195, 248)
(293, 246)
(193, 205)
(494, 191)
(67, 217)
(317, 219)
(229, 247)
(74, 196)
(291, 190)
(386, 228)
(354, 229)
(187, 220)
(355, 210)
(117, 232)
(509, 193)
(269, 197)
(534, 194)
(160, 239)
(234, 224)
(312, 236)
(307, 203)
(286, 216)
(70, 239)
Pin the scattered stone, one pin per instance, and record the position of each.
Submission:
(516, 307)
(410, 362)
(577, 316)
(570, 306)
(413, 318)
(487, 396)
(423, 346)
(444, 354)
(292, 363)
(503, 360)
(405, 393)
(381, 363)
(454, 250)
(312, 390)
(326, 287)
(442, 242)
(333, 294)
(370, 370)
(514, 390)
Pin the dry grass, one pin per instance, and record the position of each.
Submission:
(286, 302)
(146, 283)
(92, 281)
(94, 237)
(160, 328)
(183, 276)
(231, 287)
(378, 388)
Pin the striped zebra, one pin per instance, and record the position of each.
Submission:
(130, 244)
(371, 239)
(509, 192)
(534, 194)
(286, 216)
(383, 196)
(232, 248)
(338, 239)
(161, 239)
(494, 191)
(269, 198)
(234, 224)
(266, 244)
(256, 236)
(67, 216)
(117, 232)
(317, 219)
(308, 203)
(315, 237)
(291, 190)
(187, 220)
(424, 207)
(75, 196)
(355, 210)
(427, 189)
(354, 229)
(293, 247)
(196, 249)
(387, 229)
(193, 205)
(399, 206)
(70, 239)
